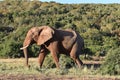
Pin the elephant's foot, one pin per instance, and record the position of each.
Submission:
(79, 63)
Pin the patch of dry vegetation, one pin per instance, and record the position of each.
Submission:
(15, 69)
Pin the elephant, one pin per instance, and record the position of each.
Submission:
(55, 41)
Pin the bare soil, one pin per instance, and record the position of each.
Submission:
(44, 77)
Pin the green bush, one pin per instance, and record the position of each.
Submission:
(112, 63)
(94, 24)
(64, 61)
(11, 49)
(48, 62)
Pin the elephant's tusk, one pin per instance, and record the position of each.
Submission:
(24, 47)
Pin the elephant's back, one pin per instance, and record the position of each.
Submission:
(80, 41)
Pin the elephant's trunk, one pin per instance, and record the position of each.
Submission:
(24, 48)
(26, 56)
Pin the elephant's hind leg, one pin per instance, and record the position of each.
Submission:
(79, 62)
(74, 54)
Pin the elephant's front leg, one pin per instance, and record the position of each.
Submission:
(53, 47)
(55, 58)
(41, 57)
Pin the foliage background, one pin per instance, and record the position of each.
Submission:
(98, 24)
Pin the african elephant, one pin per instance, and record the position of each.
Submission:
(56, 41)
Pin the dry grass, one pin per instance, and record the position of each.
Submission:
(15, 69)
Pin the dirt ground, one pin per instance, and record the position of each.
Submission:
(96, 64)
(43, 77)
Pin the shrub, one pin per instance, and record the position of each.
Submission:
(112, 62)
(64, 61)
(10, 48)
(48, 62)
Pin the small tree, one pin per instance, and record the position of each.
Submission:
(112, 63)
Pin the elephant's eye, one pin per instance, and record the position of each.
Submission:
(35, 38)
(32, 33)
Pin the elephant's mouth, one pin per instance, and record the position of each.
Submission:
(24, 47)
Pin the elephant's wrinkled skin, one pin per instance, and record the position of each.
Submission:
(56, 41)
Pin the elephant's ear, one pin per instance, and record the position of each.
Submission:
(45, 35)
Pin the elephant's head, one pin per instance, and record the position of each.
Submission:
(38, 35)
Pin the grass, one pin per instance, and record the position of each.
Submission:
(16, 66)
(13, 66)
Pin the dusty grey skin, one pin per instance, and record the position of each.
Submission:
(56, 41)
